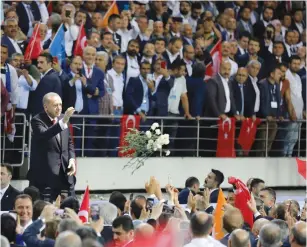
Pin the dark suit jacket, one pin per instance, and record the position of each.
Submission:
(249, 108)
(241, 28)
(107, 234)
(215, 98)
(265, 99)
(244, 59)
(196, 93)
(259, 29)
(214, 196)
(224, 240)
(49, 83)
(8, 199)
(168, 61)
(30, 236)
(23, 16)
(49, 157)
(134, 96)
(161, 96)
(11, 50)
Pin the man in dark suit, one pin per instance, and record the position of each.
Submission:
(219, 103)
(259, 26)
(244, 25)
(52, 162)
(9, 37)
(113, 25)
(213, 181)
(138, 95)
(29, 14)
(8, 193)
(269, 109)
(50, 82)
(173, 52)
(191, 185)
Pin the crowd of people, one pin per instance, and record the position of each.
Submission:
(151, 60)
(186, 218)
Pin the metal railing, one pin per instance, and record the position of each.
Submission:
(98, 136)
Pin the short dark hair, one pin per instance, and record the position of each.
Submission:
(198, 70)
(256, 181)
(118, 57)
(177, 63)
(299, 237)
(70, 202)
(118, 199)
(160, 39)
(8, 167)
(47, 55)
(191, 181)
(255, 40)
(145, 62)
(272, 69)
(278, 42)
(283, 64)
(281, 211)
(196, 5)
(81, 11)
(244, 34)
(173, 40)
(113, 17)
(268, 8)
(125, 222)
(22, 196)
(33, 192)
(271, 192)
(104, 34)
(136, 210)
(294, 57)
(38, 208)
(8, 227)
(133, 41)
(199, 228)
(219, 177)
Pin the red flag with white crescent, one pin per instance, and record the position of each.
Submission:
(85, 206)
(247, 134)
(213, 67)
(127, 123)
(226, 138)
(81, 42)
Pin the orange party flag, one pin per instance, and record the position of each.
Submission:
(218, 216)
(112, 10)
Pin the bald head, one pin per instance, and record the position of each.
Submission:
(241, 75)
(239, 238)
(270, 236)
(298, 234)
(225, 69)
(201, 224)
(258, 224)
(232, 220)
(68, 239)
(144, 230)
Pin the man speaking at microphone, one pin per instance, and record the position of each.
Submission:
(52, 163)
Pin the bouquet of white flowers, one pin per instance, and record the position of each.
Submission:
(141, 145)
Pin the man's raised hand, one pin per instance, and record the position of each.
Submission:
(69, 112)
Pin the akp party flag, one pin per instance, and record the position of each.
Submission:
(57, 46)
(301, 167)
(85, 206)
(112, 10)
(218, 216)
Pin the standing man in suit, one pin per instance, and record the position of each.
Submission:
(219, 102)
(10, 37)
(114, 23)
(29, 14)
(213, 181)
(8, 193)
(52, 152)
(173, 52)
(259, 26)
(269, 109)
(244, 25)
(244, 38)
(50, 82)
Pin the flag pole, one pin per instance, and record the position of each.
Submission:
(55, 35)
(106, 14)
(35, 35)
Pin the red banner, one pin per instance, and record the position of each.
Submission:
(226, 138)
(127, 123)
(247, 134)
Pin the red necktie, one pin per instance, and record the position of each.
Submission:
(53, 122)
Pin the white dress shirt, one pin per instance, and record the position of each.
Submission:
(70, 36)
(79, 93)
(43, 11)
(257, 91)
(88, 70)
(179, 88)
(204, 242)
(188, 66)
(171, 56)
(133, 68)
(30, 17)
(16, 46)
(24, 88)
(126, 36)
(118, 84)
(146, 59)
(14, 95)
(2, 192)
(242, 51)
(227, 93)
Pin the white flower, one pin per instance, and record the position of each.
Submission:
(148, 134)
(150, 142)
(158, 132)
(148, 146)
(159, 146)
(167, 153)
(154, 126)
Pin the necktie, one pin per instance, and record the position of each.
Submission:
(53, 122)
(242, 99)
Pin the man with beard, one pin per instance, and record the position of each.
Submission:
(244, 25)
(185, 10)
(226, 57)
(132, 68)
(50, 82)
(148, 52)
(259, 26)
(201, 54)
(195, 14)
(158, 30)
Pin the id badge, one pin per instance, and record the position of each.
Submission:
(109, 90)
(173, 97)
(273, 104)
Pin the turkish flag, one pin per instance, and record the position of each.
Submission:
(247, 134)
(81, 42)
(127, 123)
(242, 196)
(85, 206)
(301, 167)
(226, 138)
(213, 67)
(34, 48)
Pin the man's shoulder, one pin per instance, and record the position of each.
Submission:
(13, 190)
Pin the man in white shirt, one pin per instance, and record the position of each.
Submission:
(8, 193)
(298, 105)
(201, 225)
(226, 57)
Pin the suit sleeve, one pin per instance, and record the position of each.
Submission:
(30, 235)
(41, 132)
(233, 107)
(129, 94)
(263, 106)
(211, 95)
